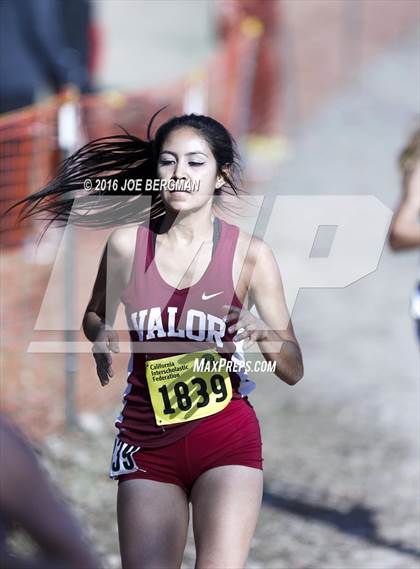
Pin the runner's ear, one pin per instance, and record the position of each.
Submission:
(219, 182)
(221, 178)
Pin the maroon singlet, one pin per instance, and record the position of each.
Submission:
(157, 312)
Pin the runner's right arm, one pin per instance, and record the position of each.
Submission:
(102, 308)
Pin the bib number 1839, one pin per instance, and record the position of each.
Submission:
(183, 398)
(178, 393)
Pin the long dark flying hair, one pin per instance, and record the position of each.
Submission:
(123, 157)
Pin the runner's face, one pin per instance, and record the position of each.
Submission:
(187, 158)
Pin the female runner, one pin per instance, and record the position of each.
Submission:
(184, 279)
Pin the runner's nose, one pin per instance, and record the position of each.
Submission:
(179, 172)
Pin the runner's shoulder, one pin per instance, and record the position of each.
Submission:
(122, 241)
(252, 248)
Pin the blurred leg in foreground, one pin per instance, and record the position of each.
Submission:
(29, 499)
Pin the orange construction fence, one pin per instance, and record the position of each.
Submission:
(29, 150)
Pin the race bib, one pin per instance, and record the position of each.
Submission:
(122, 461)
(180, 394)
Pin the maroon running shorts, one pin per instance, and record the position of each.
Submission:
(231, 436)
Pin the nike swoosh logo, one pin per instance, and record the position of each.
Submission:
(208, 296)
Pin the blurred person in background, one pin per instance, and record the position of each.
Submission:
(44, 49)
(81, 35)
(405, 228)
(29, 501)
(266, 88)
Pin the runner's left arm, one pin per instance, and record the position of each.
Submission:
(273, 330)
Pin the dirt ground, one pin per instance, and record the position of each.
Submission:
(339, 491)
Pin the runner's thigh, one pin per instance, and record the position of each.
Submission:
(152, 524)
(226, 502)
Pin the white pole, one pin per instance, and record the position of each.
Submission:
(68, 136)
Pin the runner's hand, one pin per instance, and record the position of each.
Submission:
(106, 342)
(253, 329)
